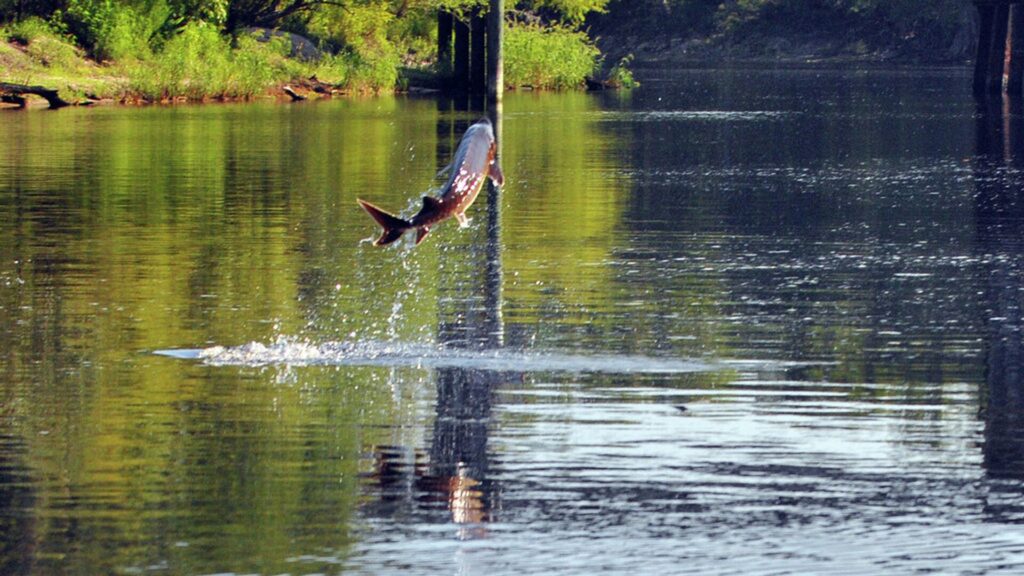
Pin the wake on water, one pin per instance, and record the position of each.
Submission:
(421, 355)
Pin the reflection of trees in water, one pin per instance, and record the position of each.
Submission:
(999, 212)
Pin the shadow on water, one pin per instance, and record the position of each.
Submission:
(454, 473)
(999, 211)
(17, 499)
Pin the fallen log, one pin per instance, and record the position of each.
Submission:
(295, 96)
(12, 93)
(12, 99)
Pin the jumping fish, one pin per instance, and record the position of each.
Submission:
(474, 162)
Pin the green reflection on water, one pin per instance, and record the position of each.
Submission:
(130, 230)
(123, 231)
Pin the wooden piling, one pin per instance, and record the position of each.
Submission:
(476, 63)
(478, 54)
(445, 22)
(986, 17)
(493, 297)
(495, 54)
(997, 51)
(460, 77)
(1015, 51)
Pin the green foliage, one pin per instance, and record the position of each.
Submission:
(548, 57)
(362, 28)
(352, 72)
(620, 76)
(172, 49)
(113, 30)
(372, 74)
(200, 62)
(27, 30)
(214, 12)
(367, 53)
(415, 35)
(49, 58)
(43, 44)
(461, 7)
(571, 10)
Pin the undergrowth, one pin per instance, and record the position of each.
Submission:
(555, 57)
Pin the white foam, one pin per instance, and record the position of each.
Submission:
(389, 353)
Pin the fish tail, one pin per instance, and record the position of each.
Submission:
(393, 226)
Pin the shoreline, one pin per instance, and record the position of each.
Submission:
(419, 82)
(771, 50)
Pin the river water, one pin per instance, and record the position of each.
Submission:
(731, 322)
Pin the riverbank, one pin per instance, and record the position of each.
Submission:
(787, 32)
(197, 64)
(201, 63)
(802, 50)
(246, 69)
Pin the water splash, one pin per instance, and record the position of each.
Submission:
(425, 355)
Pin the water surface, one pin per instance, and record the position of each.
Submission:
(730, 322)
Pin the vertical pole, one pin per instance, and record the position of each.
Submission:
(1012, 128)
(477, 54)
(495, 54)
(997, 53)
(461, 79)
(494, 298)
(1015, 51)
(1007, 133)
(445, 21)
(986, 13)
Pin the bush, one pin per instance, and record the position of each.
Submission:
(620, 76)
(200, 63)
(548, 57)
(43, 43)
(116, 30)
(130, 33)
(367, 59)
(27, 30)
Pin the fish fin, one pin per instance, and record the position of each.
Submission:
(393, 226)
(461, 217)
(421, 233)
(444, 171)
(431, 203)
(496, 175)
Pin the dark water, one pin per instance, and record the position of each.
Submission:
(732, 322)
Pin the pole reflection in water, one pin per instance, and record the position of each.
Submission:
(455, 472)
(999, 212)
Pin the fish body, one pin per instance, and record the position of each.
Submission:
(473, 164)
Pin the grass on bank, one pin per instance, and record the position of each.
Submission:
(197, 63)
(31, 53)
(200, 62)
